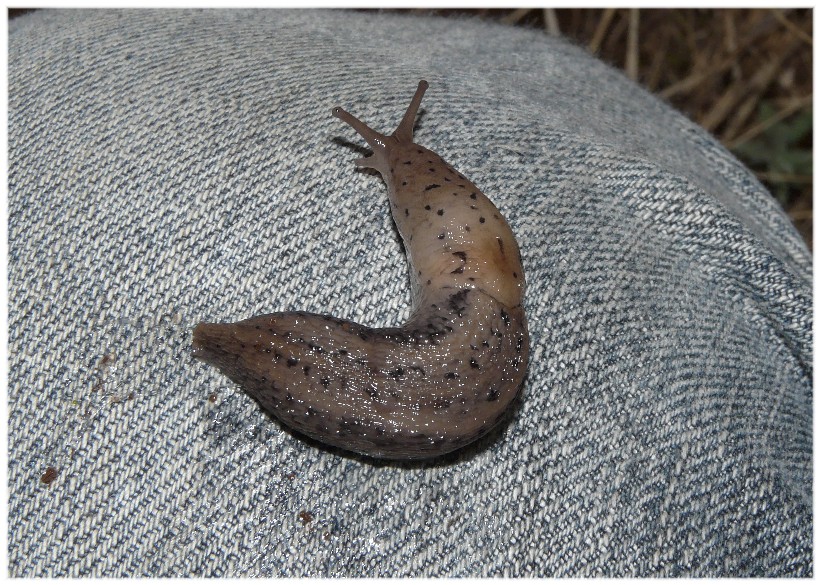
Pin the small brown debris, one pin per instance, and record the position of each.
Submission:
(305, 517)
(49, 476)
(212, 397)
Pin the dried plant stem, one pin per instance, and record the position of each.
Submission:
(761, 127)
(793, 28)
(801, 214)
(731, 42)
(698, 75)
(755, 86)
(632, 35)
(551, 20)
(784, 177)
(600, 30)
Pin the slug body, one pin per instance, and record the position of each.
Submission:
(437, 383)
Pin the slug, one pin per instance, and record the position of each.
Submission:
(437, 383)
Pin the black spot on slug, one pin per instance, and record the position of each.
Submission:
(441, 236)
(457, 303)
(324, 381)
(440, 212)
(306, 369)
(451, 375)
(500, 245)
(406, 212)
(472, 195)
(505, 317)
(292, 362)
(493, 395)
(474, 364)
(427, 207)
(481, 220)
(431, 186)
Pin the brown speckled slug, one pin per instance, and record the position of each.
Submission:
(439, 382)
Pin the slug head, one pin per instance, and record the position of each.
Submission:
(383, 145)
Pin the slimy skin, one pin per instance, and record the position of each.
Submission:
(439, 382)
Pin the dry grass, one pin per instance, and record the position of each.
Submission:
(743, 74)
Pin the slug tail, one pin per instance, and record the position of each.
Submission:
(398, 393)
(214, 344)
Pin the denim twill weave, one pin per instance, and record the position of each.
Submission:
(167, 167)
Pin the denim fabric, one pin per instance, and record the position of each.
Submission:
(167, 167)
